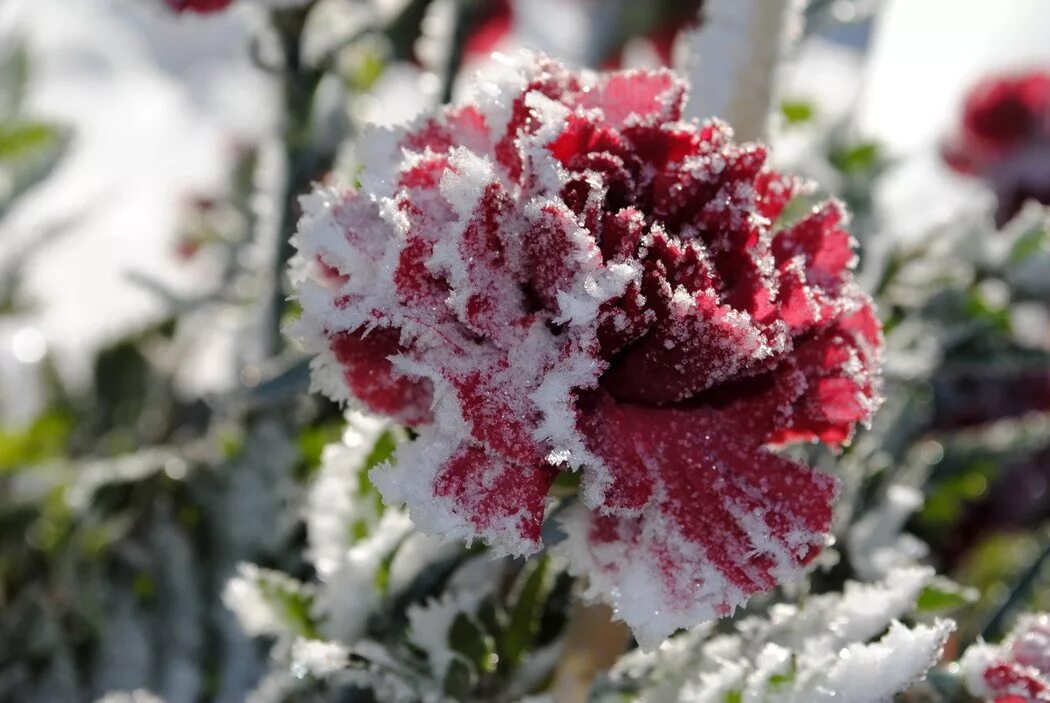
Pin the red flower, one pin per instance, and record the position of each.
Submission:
(200, 6)
(1018, 670)
(1004, 139)
(565, 276)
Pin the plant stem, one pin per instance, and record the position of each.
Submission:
(303, 161)
(1020, 591)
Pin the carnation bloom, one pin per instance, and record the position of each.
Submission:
(564, 276)
(1018, 670)
(1004, 139)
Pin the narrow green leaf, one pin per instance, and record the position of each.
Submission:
(944, 594)
(524, 617)
(856, 158)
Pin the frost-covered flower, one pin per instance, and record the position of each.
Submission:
(1018, 670)
(1004, 139)
(563, 275)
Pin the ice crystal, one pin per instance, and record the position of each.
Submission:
(563, 275)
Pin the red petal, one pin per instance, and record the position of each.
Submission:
(639, 94)
(489, 492)
(720, 518)
(697, 347)
(372, 379)
(826, 246)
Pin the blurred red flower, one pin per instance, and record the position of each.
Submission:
(200, 6)
(1004, 139)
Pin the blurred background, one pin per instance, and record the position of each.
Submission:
(157, 436)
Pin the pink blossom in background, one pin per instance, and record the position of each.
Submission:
(564, 276)
(1004, 139)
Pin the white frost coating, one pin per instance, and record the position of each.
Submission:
(974, 662)
(634, 594)
(732, 60)
(333, 503)
(244, 594)
(318, 657)
(344, 617)
(876, 543)
(857, 614)
(817, 654)
(429, 625)
(873, 673)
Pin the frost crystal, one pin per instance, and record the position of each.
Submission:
(563, 275)
(1018, 670)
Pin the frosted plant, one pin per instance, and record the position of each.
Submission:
(563, 276)
(819, 651)
(876, 541)
(1016, 671)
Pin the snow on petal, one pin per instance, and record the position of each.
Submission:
(1018, 669)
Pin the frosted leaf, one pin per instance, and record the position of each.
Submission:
(821, 652)
(337, 505)
(317, 657)
(344, 618)
(563, 275)
(876, 541)
(260, 598)
(429, 626)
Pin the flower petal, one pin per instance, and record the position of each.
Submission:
(697, 518)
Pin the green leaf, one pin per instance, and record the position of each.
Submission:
(20, 140)
(45, 438)
(1029, 243)
(467, 638)
(856, 158)
(796, 112)
(367, 71)
(944, 594)
(524, 617)
(459, 680)
(734, 697)
(287, 597)
(312, 441)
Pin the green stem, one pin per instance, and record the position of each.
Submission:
(1018, 594)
